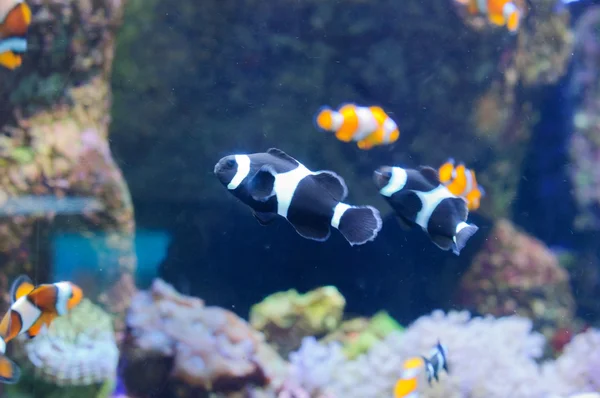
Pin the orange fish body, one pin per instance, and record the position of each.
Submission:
(498, 12)
(368, 127)
(461, 182)
(416, 368)
(406, 386)
(15, 18)
(32, 308)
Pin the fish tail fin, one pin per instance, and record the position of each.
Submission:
(9, 371)
(358, 224)
(464, 232)
(323, 119)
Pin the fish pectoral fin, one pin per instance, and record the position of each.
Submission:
(430, 174)
(41, 324)
(10, 60)
(365, 144)
(264, 218)
(22, 286)
(443, 242)
(497, 19)
(278, 153)
(333, 183)
(261, 185)
(317, 231)
(9, 371)
(344, 134)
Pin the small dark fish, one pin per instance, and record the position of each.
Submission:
(274, 183)
(419, 198)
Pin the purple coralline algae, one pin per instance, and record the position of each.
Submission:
(515, 273)
(585, 140)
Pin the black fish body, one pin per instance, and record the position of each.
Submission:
(273, 183)
(418, 198)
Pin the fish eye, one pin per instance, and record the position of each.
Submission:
(230, 163)
(71, 295)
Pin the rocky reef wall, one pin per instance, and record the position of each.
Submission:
(54, 147)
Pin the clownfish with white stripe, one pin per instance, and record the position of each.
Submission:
(31, 309)
(275, 184)
(368, 127)
(406, 386)
(461, 182)
(498, 12)
(15, 18)
(418, 198)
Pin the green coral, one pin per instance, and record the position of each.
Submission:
(286, 317)
(358, 335)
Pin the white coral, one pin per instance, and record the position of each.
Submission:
(487, 357)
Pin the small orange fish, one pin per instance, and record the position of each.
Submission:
(498, 12)
(461, 182)
(32, 308)
(15, 18)
(406, 386)
(368, 127)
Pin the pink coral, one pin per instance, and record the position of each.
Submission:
(202, 348)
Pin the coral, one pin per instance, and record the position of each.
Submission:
(286, 317)
(358, 335)
(76, 355)
(515, 273)
(487, 357)
(54, 143)
(177, 344)
(584, 146)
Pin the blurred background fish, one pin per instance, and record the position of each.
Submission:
(368, 127)
(461, 182)
(498, 12)
(15, 17)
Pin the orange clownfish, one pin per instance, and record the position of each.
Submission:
(15, 18)
(406, 386)
(498, 12)
(461, 182)
(368, 127)
(32, 308)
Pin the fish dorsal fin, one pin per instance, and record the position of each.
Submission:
(430, 174)
(333, 183)
(22, 286)
(264, 218)
(278, 153)
(262, 183)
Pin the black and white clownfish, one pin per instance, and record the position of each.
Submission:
(406, 386)
(419, 198)
(15, 18)
(31, 309)
(274, 183)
